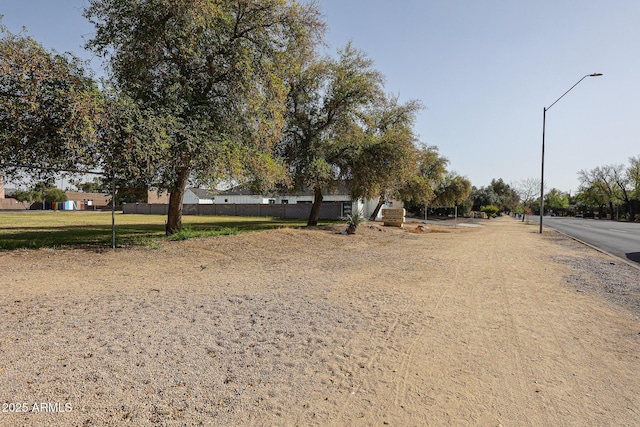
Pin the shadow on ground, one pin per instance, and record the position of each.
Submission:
(634, 256)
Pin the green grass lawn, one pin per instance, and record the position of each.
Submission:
(53, 229)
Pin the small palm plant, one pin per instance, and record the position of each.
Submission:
(353, 220)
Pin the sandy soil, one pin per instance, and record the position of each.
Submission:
(487, 326)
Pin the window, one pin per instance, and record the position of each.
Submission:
(346, 208)
(272, 201)
(285, 201)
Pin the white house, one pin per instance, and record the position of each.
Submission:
(243, 196)
(198, 196)
(239, 196)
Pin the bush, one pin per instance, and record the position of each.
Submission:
(490, 210)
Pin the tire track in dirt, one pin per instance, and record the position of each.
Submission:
(410, 392)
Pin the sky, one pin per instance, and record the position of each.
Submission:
(484, 70)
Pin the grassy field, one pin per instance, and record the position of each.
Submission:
(53, 229)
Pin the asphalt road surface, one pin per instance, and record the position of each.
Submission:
(618, 238)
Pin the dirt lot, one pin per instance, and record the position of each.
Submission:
(486, 326)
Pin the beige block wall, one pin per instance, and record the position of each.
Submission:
(153, 198)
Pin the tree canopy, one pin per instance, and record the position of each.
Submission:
(383, 158)
(200, 92)
(326, 102)
(214, 73)
(48, 102)
(42, 191)
(498, 193)
(428, 172)
(611, 185)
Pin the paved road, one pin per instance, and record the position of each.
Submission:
(618, 238)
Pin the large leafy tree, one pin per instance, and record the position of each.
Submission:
(385, 157)
(214, 74)
(48, 104)
(326, 103)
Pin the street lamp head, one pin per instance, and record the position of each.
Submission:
(595, 75)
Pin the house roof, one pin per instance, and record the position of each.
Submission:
(201, 193)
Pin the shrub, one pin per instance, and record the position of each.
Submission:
(353, 220)
(490, 210)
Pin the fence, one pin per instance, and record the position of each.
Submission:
(328, 210)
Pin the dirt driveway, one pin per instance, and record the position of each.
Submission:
(487, 326)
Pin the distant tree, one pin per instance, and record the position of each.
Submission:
(483, 196)
(213, 74)
(601, 186)
(53, 194)
(429, 169)
(633, 177)
(527, 189)
(23, 196)
(452, 190)
(42, 191)
(48, 103)
(592, 197)
(508, 198)
(556, 200)
(621, 180)
(96, 185)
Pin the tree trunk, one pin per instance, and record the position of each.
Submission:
(611, 211)
(374, 215)
(315, 209)
(174, 217)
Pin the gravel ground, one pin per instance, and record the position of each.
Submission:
(491, 325)
(601, 275)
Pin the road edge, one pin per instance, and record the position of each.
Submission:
(629, 263)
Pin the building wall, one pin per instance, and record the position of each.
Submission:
(97, 199)
(154, 198)
(191, 198)
(13, 205)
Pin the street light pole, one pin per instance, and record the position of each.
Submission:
(544, 119)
